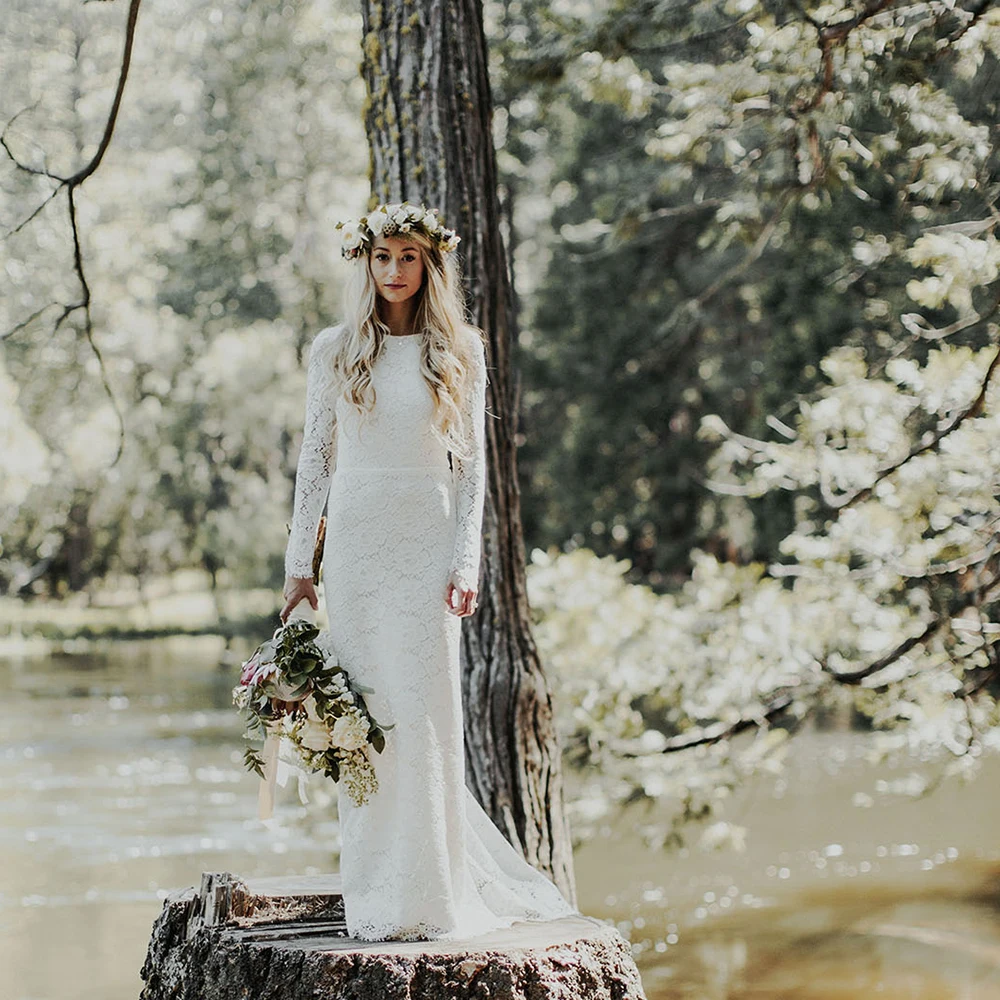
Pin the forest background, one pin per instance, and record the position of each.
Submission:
(754, 251)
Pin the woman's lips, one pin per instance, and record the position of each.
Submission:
(395, 286)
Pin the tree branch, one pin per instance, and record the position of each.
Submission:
(973, 409)
(857, 676)
(829, 35)
(71, 183)
(716, 731)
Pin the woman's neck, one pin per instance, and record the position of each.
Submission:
(398, 316)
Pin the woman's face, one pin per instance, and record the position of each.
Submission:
(397, 267)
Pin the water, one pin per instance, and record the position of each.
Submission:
(121, 779)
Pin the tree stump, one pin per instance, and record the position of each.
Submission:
(286, 939)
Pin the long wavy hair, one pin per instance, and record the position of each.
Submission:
(447, 340)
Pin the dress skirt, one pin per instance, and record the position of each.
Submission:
(421, 859)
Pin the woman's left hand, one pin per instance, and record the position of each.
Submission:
(460, 601)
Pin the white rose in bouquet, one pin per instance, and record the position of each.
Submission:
(349, 732)
(314, 736)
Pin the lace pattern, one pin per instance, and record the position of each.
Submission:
(317, 460)
(470, 478)
(421, 859)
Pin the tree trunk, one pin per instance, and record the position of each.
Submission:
(285, 939)
(429, 120)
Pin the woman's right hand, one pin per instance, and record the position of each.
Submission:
(297, 588)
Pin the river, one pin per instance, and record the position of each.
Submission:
(121, 779)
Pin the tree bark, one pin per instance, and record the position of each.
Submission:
(429, 121)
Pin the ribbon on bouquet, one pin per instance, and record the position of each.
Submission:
(276, 772)
(269, 754)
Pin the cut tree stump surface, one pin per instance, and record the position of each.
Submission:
(286, 939)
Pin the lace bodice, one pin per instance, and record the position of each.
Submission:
(396, 434)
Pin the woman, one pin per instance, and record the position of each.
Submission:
(391, 393)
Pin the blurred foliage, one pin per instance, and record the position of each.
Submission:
(764, 356)
(722, 216)
(208, 241)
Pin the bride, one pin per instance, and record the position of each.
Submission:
(394, 445)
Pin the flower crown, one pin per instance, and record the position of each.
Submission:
(391, 220)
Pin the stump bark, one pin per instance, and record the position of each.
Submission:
(286, 939)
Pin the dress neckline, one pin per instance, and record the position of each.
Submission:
(404, 336)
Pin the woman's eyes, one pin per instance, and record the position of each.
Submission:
(408, 259)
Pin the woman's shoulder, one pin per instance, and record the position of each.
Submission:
(472, 340)
(328, 335)
(473, 354)
(325, 342)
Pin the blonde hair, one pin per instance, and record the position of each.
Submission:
(447, 347)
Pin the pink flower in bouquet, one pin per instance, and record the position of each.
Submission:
(259, 668)
(263, 674)
(249, 669)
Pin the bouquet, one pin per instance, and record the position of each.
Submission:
(293, 687)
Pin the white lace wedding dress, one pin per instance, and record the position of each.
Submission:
(422, 859)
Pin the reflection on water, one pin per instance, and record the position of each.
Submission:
(121, 778)
(938, 942)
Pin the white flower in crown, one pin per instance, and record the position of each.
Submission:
(389, 220)
(376, 221)
(352, 238)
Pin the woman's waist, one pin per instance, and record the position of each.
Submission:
(412, 470)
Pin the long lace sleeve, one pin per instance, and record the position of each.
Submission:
(469, 475)
(317, 460)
